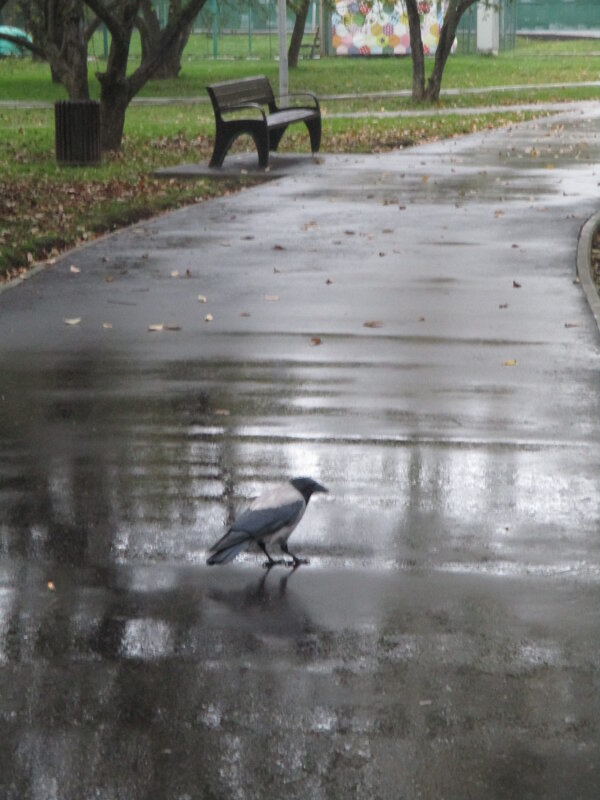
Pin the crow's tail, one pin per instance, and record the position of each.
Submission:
(227, 553)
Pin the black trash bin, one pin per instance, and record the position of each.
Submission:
(77, 127)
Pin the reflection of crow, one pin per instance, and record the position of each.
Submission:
(269, 520)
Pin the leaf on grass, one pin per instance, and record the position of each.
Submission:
(245, 314)
(201, 298)
(109, 278)
(208, 318)
(156, 327)
(278, 247)
(516, 285)
(107, 326)
(373, 323)
(175, 273)
(503, 305)
(51, 586)
(511, 362)
(499, 213)
(172, 327)
(571, 324)
(72, 320)
(272, 298)
(315, 341)
(75, 270)
(328, 281)
(221, 412)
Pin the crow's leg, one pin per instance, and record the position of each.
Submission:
(295, 560)
(270, 561)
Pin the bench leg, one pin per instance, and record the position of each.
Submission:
(261, 140)
(314, 131)
(225, 138)
(275, 137)
(222, 145)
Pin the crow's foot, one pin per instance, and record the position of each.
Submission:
(272, 562)
(297, 562)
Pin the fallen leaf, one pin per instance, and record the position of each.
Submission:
(175, 273)
(511, 362)
(51, 586)
(278, 247)
(424, 178)
(316, 340)
(201, 298)
(425, 702)
(208, 318)
(276, 271)
(272, 298)
(516, 285)
(72, 320)
(107, 325)
(156, 327)
(245, 314)
(499, 213)
(503, 305)
(328, 281)
(421, 319)
(221, 412)
(109, 278)
(515, 246)
(571, 324)
(381, 255)
(374, 323)
(171, 327)
(75, 270)
(349, 233)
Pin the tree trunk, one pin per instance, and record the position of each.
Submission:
(117, 87)
(298, 34)
(59, 36)
(416, 50)
(114, 99)
(148, 25)
(452, 17)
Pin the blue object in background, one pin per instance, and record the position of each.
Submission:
(10, 48)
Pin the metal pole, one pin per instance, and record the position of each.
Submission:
(249, 30)
(214, 9)
(283, 59)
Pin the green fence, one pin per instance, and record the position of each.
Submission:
(558, 14)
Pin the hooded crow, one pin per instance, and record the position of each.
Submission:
(268, 520)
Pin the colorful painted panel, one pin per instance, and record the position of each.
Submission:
(376, 27)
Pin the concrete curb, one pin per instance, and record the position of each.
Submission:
(584, 264)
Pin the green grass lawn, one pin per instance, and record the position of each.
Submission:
(45, 208)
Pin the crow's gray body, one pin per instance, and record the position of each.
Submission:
(268, 520)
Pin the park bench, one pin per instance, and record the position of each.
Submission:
(250, 107)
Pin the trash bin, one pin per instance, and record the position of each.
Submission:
(77, 127)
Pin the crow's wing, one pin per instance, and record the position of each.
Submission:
(259, 522)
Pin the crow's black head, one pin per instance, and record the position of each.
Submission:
(306, 486)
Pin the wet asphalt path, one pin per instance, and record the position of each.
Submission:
(445, 640)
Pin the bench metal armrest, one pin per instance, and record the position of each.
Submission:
(245, 107)
(295, 95)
